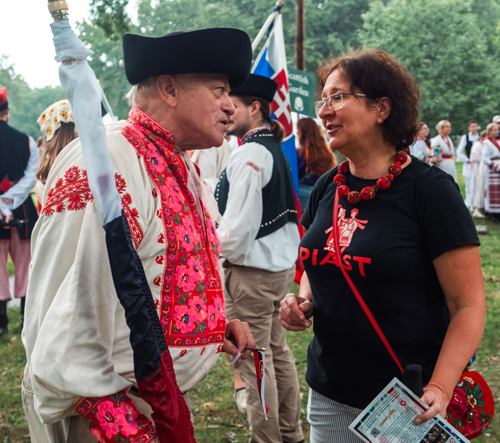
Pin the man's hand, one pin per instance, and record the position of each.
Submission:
(7, 219)
(295, 313)
(237, 338)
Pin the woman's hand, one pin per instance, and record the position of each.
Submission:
(437, 401)
(295, 312)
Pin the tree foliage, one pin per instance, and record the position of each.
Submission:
(26, 104)
(442, 44)
(331, 27)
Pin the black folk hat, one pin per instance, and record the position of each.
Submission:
(257, 85)
(207, 51)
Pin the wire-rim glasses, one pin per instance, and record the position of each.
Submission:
(334, 101)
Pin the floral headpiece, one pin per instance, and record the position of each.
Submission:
(50, 120)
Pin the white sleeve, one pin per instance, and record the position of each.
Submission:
(248, 171)
(461, 155)
(21, 190)
(476, 152)
(487, 155)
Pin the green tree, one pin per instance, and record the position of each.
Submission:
(26, 104)
(441, 43)
(331, 28)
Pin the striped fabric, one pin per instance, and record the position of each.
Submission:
(330, 420)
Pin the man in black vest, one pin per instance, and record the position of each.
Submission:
(19, 162)
(256, 197)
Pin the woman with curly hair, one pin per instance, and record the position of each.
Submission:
(395, 228)
(314, 157)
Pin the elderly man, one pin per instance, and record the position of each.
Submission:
(18, 164)
(80, 361)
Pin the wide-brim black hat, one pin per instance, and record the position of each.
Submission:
(257, 85)
(209, 51)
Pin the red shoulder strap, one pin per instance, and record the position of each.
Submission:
(366, 309)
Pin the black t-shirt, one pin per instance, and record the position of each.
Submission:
(387, 246)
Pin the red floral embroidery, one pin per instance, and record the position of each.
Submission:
(72, 192)
(115, 419)
(191, 310)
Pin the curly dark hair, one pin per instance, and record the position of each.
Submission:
(378, 74)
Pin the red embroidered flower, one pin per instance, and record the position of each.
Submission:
(196, 265)
(129, 423)
(109, 418)
(185, 278)
(198, 307)
(72, 174)
(458, 403)
(219, 304)
(183, 319)
(212, 319)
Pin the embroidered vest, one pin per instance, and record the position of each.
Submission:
(192, 302)
(14, 157)
(278, 199)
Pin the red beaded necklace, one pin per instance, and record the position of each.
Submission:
(369, 192)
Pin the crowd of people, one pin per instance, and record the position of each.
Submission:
(209, 199)
(478, 153)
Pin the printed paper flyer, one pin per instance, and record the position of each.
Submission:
(390, 418)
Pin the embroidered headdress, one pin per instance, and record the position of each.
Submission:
(50, 120)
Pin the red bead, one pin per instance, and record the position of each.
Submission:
(339, 179)
(353, 197)
(383, 183)
(367, 193)
(401, 157)
(390, 177)
(343, 191)
(344, 167)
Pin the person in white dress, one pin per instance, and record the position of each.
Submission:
(491, 159)
(476, 156)
(420, 149)
(446, 148)
(463, 155)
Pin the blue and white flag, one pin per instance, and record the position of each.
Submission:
(271, 63)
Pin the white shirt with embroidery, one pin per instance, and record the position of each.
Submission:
(448, 164)
(250, 169)
(77, 341)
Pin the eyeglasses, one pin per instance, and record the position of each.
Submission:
(334, 102)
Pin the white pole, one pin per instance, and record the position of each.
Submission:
(107, 102)
(263, 30)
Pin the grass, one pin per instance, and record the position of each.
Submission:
(215, 416)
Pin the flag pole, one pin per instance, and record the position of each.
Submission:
(267, 24)
(108, 105)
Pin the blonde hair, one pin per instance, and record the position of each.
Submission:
(440, 125)
(490, 127)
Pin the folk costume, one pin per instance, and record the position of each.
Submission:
(479, 169)
(50, 121)
(255, 194)
(212, 163)
(421, 150)
(81, 346)
(463, 155)
(491, 159)
(447, 150)
(19, 162)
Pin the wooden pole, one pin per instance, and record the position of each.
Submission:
(299, 34)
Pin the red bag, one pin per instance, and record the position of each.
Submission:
(472, 406)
